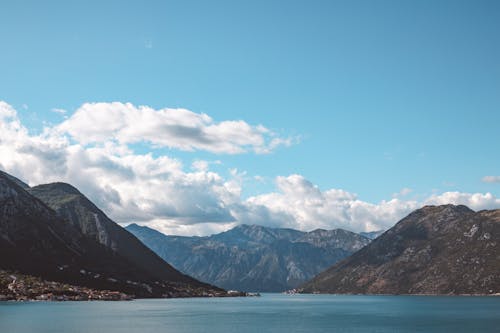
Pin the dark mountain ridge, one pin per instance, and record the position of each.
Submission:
(74, 207)
(434, 250)
(35, 240)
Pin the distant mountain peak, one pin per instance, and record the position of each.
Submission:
(59, 187)
(253, 257)
(17, 181)
(134, 226)
(329, 231)
(448, 208)
(248, 227)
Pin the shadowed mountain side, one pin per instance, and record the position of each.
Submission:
(35, 240)
(74, 207)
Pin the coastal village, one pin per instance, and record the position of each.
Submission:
(20, 287)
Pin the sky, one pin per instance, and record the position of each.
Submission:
(194, 116)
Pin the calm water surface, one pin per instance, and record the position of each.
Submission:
(269, 313)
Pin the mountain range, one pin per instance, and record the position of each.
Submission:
(252, 257)
(434, 250)
(54, 232)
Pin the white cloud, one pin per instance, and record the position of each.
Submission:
(475, 201)
(200, 165)
(128, 186)
(59, 111)
(404, 192)
(300, 204)
(259, 179)
(491, 179)
(173, 128)
(174, 228)
(7, 112)
(157, 190)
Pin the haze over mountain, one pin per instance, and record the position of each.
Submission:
(79, 245)
(435, 250)
(372, 234)
(252, 257)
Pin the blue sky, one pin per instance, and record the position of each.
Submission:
(377, 96)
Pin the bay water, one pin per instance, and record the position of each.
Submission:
(268, 313)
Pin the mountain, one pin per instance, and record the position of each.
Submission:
(17, 181)
(372, 234)
(36, 240)
(74, 207)
(435, 250)
(251, 257)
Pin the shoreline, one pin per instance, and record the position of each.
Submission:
(17, 287)
(300, 292)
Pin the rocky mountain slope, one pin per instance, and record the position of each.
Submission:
(251, 257)
(73, 206)
(35, 240)
(434, 250)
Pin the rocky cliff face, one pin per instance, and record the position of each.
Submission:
(434, 250)
(251, 257)
(74, 207)
(35, 240)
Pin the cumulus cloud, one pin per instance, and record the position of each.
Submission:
(130, 187)
(181, 129)
(475, 201)
(161, 192)
(298, 203)
(491, 179)
(174, 228)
